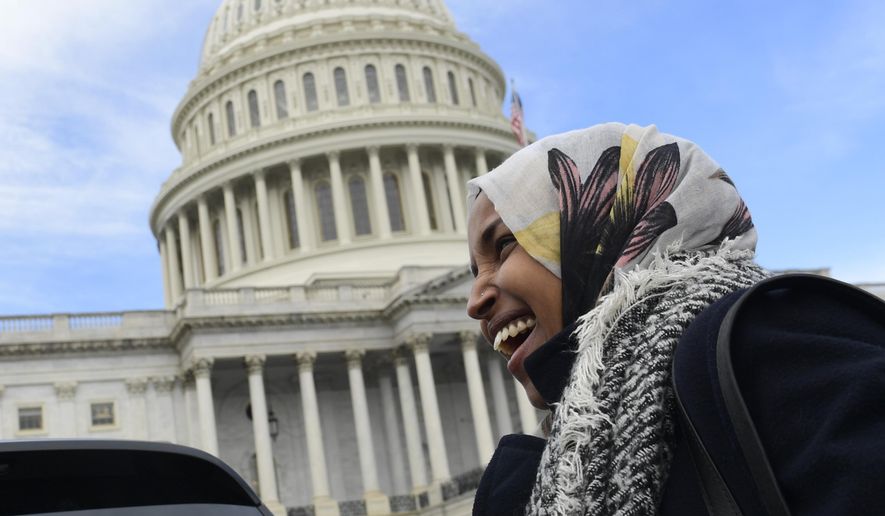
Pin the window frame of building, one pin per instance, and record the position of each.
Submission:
(254, 109)
(41, 415)
(472, 91)
(359, 205)
(291, 219)
(217, 236)
(342, 94)
(453, 88)
(394, 200)
(112, 425)
(280, 101)
(373, 89)
(210, 123)
(326, 218)
(402, 83)
(231, 119)
(241, 235)
(429, 87)
(309, 83)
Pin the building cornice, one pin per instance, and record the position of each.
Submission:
(97, 346)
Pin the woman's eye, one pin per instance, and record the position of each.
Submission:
(504, 245)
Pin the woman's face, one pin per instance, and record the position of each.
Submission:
(517, 301)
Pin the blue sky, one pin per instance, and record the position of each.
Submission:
(789, 97)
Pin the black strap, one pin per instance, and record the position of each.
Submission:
(717, 497)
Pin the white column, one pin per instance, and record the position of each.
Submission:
(391, 434)
(233, 239)
(482, 427)
(417, 466)
(376, 502)
(382, 215)
(172, 264)
(481, 166)
(526, 411)
(323, 503)
(137, 387)
(263, 216)
(164, 265)
(305, 229)
(267, 482)
(439, 463)
(499, 395)
(187, 263)
(207, 239)
(419, 202)
(454, 181)
(65, 393)
(189, 388)
(206, 406)
(342, 217)
(164, 410)
(2, 390)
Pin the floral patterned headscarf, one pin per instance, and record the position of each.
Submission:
(587, 202)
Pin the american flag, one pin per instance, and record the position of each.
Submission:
(517, 122)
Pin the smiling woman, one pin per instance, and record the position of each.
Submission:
(594, 253)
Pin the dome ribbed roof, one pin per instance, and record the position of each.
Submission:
(239, 21)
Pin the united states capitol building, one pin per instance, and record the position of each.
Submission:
(314, 334)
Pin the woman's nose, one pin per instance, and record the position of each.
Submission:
(482, 297)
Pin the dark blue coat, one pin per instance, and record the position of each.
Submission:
(811, 367)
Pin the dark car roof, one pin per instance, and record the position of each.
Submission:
(60, 476)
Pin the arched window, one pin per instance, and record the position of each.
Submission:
(359, 204)
(453, 88)
(241, 232)
(472, 91)
(428, 85)
(394, 202)
(310, 92)
(279, 97)
(341, 87)
(231, 121)
(428, 196)
(402, 85)
(210, 121)
(372, 84)
(291, 219)
(219, 246)
(254, 116)
(323, 193)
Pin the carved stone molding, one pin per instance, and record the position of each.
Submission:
(468, 339)
(65, 390)
(354, 358)
(254, 363)
(202, 367)
(306, 360)
(163, 383)
(419, 342)
(136, 386)
(400, 356)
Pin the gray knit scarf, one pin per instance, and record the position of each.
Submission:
(609, 447)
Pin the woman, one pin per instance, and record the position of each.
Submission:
(593, 251)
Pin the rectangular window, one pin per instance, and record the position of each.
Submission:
(103, 414)
(30, 419)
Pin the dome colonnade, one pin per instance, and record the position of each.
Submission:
(315, 130)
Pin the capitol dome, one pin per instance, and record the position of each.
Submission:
(325, 139)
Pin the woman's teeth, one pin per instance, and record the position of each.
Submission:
(512, 330)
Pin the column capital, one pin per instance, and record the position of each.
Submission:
(259, 173)
(333, 155)
(136, 386)
(294, 163)
(306, 360)
(254, 363)
(65, 390)
(448, 147)
(411, 147)
(373, 150)
(354, 358)
(400, 355)
(468, 339)
(163, 383)
(418, 342)
(202, 367)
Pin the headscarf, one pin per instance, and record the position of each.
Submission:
(587, 202)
